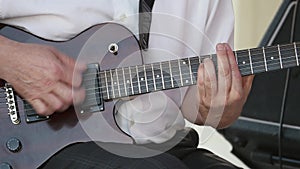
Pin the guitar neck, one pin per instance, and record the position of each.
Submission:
(141, 79)
(258, 60)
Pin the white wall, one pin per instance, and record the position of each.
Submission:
(252, 19)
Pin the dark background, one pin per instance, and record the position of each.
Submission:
(267, 135)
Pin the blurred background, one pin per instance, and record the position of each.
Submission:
(253, 17)
(267, 134)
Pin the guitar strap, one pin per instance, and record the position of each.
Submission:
(145, 8)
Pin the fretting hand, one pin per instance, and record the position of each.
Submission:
(221, 95)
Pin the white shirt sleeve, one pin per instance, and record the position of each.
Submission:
(179, 29)
(64, 19)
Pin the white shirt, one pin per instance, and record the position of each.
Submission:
(180, 28)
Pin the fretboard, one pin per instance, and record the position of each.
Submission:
(141, 79)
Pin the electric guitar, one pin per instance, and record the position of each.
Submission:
(115, 70)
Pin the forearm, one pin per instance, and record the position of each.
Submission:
(5, 45)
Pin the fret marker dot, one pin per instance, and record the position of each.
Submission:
(187, 81)
(157, 76)
(244, 62)
(115, 83)
(184, 63)
(142, 79)
(128, 81)
(272, 57)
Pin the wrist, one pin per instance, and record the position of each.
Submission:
(6, 52)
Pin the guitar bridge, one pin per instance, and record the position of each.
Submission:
(11, 103)
(91, 81)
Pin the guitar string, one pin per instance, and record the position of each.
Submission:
(144, 86)
(188, 74)
(246, 55)
(87, 100)
(242, 69)
(240, 55)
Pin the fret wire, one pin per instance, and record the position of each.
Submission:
(289, 61)
(162, 76)
(112, 83)
(180, 74)
(130, 76)
(190, 68)
(154, 81)
(138, 78)
(296, 54)
(269, 55)
(124, 79)
(241, 55)
(257, 62)
(108, 96)
(273, 55)
(106, 79)
(273, 51)
(123, 96)
(118, 83)
(280, 60)
(269, 52)
(266, 66)
(171, 74)
(250, 60)
(263, 69)
(146, 79)
(241, 69)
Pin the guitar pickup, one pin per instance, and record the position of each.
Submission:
(31, 115)
(92, 84)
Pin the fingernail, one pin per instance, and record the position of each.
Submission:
(220, 46)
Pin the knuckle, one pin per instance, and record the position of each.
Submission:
(56, 70)
(69, 100)
(58, 106)
(225, 72)
(206, 102)
(238, 96)
(44, 111)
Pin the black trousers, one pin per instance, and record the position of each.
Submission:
(184, 155)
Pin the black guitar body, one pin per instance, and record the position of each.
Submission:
(28, 145)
